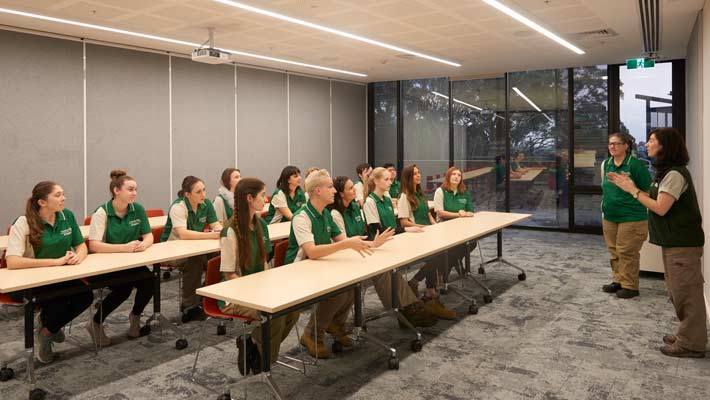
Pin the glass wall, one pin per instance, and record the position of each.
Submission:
(385, 112)
(426, 129)
(539, 142)
(479, 139)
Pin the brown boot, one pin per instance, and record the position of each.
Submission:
(134, 328)
(339, 335)
(315, 349)
(97, 333)
(435, 307)
(669, 339)
(674, 350)
(418, 315)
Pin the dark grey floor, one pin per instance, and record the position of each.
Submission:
(553, 336)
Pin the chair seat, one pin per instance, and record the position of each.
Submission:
(6, 299)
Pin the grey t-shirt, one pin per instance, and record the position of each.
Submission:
(674, 184)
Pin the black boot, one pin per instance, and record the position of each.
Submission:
(254, 357)
(611, 288)
(243, 356)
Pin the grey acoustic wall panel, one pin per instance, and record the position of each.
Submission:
(127, 119)
(41, 120)
(262, 124)
(310, 122)
(349, 133)
(203, 121)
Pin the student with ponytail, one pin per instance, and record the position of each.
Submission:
(121, 225)
(188, 216)
(48, 236)
(224, 202)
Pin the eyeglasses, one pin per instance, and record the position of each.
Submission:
(614, 144)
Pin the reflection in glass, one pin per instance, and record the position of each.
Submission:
(591, 124)
(586, 210)
(385, 110)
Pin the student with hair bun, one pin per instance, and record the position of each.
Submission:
(188, 216)
(121, 225)
(224, 202)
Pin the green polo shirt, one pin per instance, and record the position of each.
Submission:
(455, 201)
(354, 223)
(385, 212)
(299, 199)
(514, 165)
(132, 226)
(394, 189)
(227, 209)
(60, 238)
(196, 219)
(321, 231)
(421, 214)
(618, 205)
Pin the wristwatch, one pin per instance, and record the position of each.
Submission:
(636, 195)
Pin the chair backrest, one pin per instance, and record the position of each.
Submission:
(157, 233)
(212, 276)
(87, 220)
(264, 214)
(154, 212)
(280, 253)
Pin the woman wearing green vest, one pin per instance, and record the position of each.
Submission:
(188, 216)
(48, 236)
(121, 226)
(224, 202)
(288, 196)
(675, 224)
(413, 209)
(245, 248)
(348, 216)
(624, 220)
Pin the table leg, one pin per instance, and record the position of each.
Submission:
(181, 342)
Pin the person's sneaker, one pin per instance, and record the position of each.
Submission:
(253, 357)
(97, 333)
(418, 315)
(414, 285)
(669, 339)
(315, 349)
(193, 314)
(339, 335)
(674, 350)
(434, 305)
(57, 337)
(627, 293)
(611, 288)
(243, 356)
(43, 347)
(134, 325)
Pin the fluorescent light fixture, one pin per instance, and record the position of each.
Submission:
(521, 94)
(457, 101)
(173, 41)
(333, 31)
(548, 118)
(605, 77)
(514, 14)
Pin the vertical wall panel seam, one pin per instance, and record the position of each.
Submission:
(170, 122)
(86, 191)
(330, 86)
(288, 118)
(236, 132)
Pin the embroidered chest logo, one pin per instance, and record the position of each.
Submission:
(462, 201)
(134, 222)
(66, 232)
(202, 219)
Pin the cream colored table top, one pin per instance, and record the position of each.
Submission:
(474, 173)
(155, 222)
(309, 279)
(279, 231)
(528, 176)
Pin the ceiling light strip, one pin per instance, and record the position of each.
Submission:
(457, 101)
(514, 14)
(333, 31)
(169, 40)
(521, 94)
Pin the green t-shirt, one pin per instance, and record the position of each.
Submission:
(294, 204)
(455, 201)
(196, 219)
(60, 238)
(385, 211)
(322, 230)
(618, 205)
(131, 227)
(354, 223)
(421, 214)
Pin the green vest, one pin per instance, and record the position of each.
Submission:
(421, 214)
(196, 219)
(682, 226)
(455, 201)
(617, 205)
(385, 212)
(131, 227)
(354, 223)
(323, 228)
(394, 189)
(60, 238)
(227, 209)
(299, 199)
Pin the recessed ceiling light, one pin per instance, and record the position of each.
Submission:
(348, 35)
(516, 15)
(173, 41)
(457, 101)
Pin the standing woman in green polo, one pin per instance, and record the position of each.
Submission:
(188, 216)
(675, 224)
(48, 236)
(624, 220)
(121, 226)
(224, 202)
(288, 196)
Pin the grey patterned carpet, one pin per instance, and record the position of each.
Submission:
(553, 336)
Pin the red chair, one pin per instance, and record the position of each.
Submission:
(6, 373)
(166, 268)
(264, 214)
(87, 220)
(154, 212)
(280, 253)
(211, 308)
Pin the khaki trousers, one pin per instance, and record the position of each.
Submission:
(383, 287)
(624, 241)
(333, 310)
(684, 281)
(191, 269)
(278, 330)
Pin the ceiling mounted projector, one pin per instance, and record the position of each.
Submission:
(209, 54)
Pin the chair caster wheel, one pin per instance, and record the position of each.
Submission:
(416, 346)
(337, 347)
(521, 276)
(221, 330)
(166, 275)
(481, 270)
(225, 396)
(37, 394)
(6, 374)
(488, 298)
(393, 363)
(145, 330)
(181, 344)
(473, 309)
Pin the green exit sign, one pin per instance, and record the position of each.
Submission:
(633, 63)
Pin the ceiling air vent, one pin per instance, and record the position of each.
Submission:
(597, 34)
(650, 13)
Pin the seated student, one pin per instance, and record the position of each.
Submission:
(245, 247)
(413, 210)
(187, 217)
(517, 166)
(501, 165)
(288, 196)
(310, 170)
(224, 202)
(363, 171)
(315, 235)
(395, 188)
(348, 216)
(121, 226)
(48, 236)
